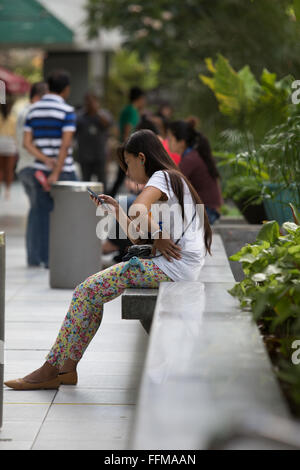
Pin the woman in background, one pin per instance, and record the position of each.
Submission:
(160, 127)
(197, 164)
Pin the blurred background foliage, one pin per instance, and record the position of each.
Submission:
(250, 104)
(178, 36)
(127, 70)
(25, 62)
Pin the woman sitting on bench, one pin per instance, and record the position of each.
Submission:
(145, 161)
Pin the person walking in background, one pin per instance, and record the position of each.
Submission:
(197, 164)
(48, 134)
(93, 124)
(165, 110)
(129, 118)
(25, 173)
(161, 120)
(8, 148)
(164, 114)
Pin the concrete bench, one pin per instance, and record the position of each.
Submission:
(206, 364)
(139, 304)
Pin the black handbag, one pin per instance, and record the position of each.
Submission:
(140, 251)
(145, 251)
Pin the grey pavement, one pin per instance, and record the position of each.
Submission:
(98, 412)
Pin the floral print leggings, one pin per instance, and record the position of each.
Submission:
(86, 310)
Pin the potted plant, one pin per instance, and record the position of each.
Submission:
(246, 193)
(280, 152)
(253, 107)
(244, 184)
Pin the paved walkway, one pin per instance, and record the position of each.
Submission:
(98, 412)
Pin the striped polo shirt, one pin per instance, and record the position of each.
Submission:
(47, 119)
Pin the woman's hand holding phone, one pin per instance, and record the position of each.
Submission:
(109, 202)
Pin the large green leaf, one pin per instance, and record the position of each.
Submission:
(250, 104)
(269, 232)
(259, 277)
(251, 85)
(232, 89)
(290, 227)
(268, 79)
(249, 253)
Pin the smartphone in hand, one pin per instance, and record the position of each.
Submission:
(97, 197)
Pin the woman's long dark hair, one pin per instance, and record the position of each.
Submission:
(183, 130)
(157, 159)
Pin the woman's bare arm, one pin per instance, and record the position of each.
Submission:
(137, 225)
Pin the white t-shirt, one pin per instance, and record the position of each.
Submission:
(192, 243)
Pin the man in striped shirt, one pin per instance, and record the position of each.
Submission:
(48, 133)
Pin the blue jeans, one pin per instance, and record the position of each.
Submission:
(46, 204)
(212, 215)
(41, 202)
(26, 176)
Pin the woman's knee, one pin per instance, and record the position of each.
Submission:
(105, 279)
(88, 287)
(80, 291)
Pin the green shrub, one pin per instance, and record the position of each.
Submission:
(271, 291)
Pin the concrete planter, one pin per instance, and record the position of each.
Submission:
(278, 208)
(253, 213)
(234, 237)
